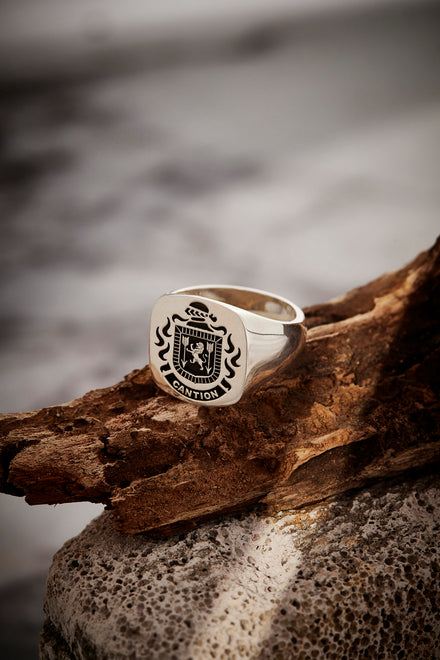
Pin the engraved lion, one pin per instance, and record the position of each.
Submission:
(197, 351)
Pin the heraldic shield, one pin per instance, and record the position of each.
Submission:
(193, 353)
(197, 354)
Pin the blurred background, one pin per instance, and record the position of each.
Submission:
(291, 146)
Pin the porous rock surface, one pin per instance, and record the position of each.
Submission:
(355, 577)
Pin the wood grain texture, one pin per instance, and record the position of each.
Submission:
(361, 403)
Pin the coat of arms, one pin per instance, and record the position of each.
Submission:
(199, 351)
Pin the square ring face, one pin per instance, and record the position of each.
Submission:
(198, 350)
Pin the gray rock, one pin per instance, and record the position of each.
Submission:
(353, 577)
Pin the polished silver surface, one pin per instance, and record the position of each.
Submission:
(213, 344)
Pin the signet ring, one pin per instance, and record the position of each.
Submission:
(210, 345)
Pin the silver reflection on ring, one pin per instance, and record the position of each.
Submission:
(210, 345)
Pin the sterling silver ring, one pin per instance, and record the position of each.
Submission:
(210, 345)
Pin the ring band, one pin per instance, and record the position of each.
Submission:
(212, 344)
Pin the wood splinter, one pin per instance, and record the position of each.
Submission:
(360, 403)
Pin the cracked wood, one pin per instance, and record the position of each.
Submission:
(360, 403)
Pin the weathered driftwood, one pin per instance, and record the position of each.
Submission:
(361, 403)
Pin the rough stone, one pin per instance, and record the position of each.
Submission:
(353, 577)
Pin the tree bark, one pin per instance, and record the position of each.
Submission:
(361, 403)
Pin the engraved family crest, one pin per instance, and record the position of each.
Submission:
(195, 349)
(197, 354)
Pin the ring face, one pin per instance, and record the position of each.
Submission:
(198, 349)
